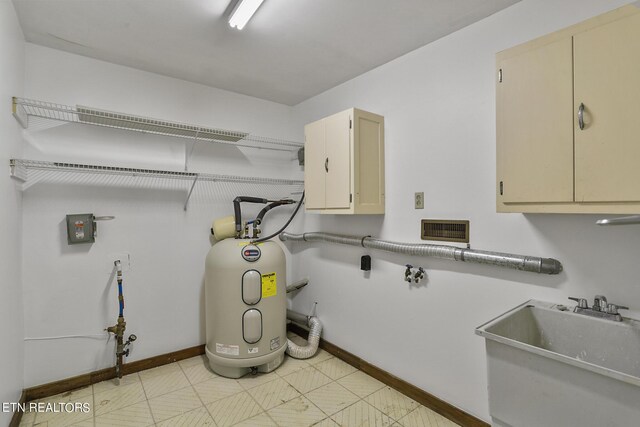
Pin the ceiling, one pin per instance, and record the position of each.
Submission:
(291, 50)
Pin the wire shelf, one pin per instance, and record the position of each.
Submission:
(24, 109)
(30, 172)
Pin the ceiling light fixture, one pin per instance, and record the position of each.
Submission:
(243, 11)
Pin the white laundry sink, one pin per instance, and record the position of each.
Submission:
(548, 367)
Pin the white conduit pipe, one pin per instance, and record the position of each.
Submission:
(315, 328)
(518, 262)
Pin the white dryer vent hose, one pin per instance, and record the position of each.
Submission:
(305, 352)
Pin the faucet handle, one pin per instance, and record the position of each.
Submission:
(582, 302)
(613, 308)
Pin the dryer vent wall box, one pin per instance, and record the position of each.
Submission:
(344, 164)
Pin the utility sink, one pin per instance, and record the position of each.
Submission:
(548, 366)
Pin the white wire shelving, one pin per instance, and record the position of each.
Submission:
(30, 172)
(25, 110)
(29, 112)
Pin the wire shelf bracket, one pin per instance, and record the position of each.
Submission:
(20, 113)
(18, 170)
(186, 202)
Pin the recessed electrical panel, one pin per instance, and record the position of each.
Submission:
(81, 228)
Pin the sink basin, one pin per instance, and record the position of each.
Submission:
(549, 367)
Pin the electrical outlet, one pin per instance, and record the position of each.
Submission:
(419, 200)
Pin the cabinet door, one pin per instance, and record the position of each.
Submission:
(338, 161)
(607, 82)
(314, 171)
(534, 125)
(368, 150)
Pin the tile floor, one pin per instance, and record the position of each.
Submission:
(321, 391)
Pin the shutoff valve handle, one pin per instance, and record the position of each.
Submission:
(407, 273)
(613, 308)
(582, 302)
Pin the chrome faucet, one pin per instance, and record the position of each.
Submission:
(601, 308)
(600, 303)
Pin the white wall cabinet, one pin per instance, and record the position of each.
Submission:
(344, 164)
(567, 107)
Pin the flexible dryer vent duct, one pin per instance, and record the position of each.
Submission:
(518, 262)
(315, 328)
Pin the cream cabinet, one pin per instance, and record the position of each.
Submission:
(344, 164)
(567, 113)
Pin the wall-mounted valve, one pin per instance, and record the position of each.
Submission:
(414, 274)
(120, 327)
(125, 347)
(407, 273)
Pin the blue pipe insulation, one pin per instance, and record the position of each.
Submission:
(120, 298)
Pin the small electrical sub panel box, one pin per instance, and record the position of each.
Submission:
(81, 228)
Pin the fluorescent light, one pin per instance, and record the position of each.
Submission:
(243, 11)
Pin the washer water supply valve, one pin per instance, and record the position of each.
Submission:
(413, 275)
(407, 273)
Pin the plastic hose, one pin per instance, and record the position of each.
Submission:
(284, 226)
(271, 206)
(305, 352)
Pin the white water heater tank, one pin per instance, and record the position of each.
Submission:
(245, 307)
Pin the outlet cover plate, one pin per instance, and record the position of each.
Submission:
(419, 200)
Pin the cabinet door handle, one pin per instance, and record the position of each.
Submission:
(326, 164)
(581, 116)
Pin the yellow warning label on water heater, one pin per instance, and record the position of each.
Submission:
(269, 287)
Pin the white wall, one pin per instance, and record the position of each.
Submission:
(439, 108)
(70, 289)
(11, 332)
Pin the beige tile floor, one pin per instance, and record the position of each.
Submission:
(321, 391)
